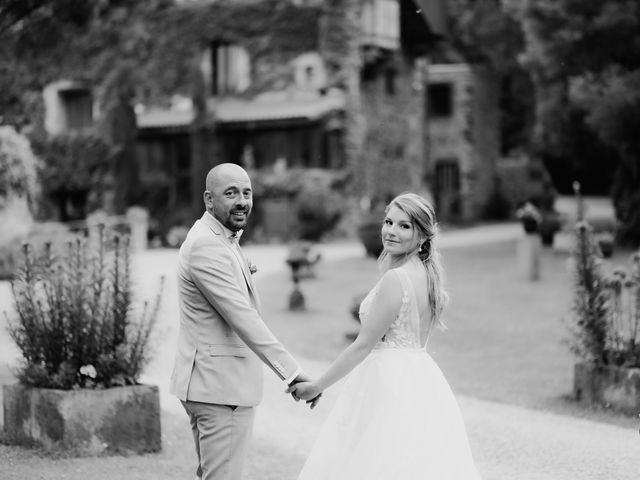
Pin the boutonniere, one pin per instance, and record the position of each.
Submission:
(252, 267)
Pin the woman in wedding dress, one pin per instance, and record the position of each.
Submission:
(396, 417)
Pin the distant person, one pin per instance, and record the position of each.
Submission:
(396, 417)
(217, 373)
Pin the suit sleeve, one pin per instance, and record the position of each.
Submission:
(212, 272)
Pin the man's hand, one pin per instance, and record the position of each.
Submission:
(307, 391)
(302, 378)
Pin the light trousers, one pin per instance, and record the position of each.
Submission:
(221, 434)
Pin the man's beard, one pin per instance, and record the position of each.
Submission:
(233, 224)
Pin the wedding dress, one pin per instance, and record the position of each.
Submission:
(396, 417)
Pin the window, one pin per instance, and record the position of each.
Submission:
(440, 100)
(78, 107)
(381, 24)
(309, 71)
(229, 69)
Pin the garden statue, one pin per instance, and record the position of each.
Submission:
(296, 298)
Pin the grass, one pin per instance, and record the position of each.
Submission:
(504, 343)
(506, 336)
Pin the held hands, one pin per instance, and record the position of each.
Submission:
(305, 390)
(302, 388)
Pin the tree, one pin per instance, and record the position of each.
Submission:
(74, 166)
(106, 44)
(18, 167)
(488, 33)
(46, 40)
(584, 58)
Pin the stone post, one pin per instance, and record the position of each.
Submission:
(94, 220)
(138, 221)
(529, 250)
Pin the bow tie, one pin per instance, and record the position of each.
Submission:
(235, 237)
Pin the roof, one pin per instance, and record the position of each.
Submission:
(265, 109)
(158, 118)
(435, 14)
(234, 110)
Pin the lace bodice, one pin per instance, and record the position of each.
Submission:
(405, 331)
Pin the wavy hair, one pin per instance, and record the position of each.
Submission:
(423, 218)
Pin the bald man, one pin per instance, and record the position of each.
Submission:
(217, 373)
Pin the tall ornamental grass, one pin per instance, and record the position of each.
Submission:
(75, 325)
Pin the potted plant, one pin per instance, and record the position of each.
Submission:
(605, 327)
(83, 351)
(605, 242)
(530, 218)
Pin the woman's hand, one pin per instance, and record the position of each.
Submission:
(307, 391)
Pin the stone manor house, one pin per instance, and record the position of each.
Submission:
(337, 84)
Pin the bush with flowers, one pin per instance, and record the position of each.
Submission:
(74, 322)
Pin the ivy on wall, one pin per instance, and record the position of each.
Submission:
(162, 40)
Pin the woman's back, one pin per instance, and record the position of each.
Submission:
(413, 323)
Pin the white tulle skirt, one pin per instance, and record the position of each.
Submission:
(395, 419)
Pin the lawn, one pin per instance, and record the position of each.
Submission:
(506, 336)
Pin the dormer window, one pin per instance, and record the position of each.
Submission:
(381, 24)
(227, 69)
(309, 72)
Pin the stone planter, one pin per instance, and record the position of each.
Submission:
(612, 387)
(84, 422)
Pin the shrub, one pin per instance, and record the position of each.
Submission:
(317, 212)
(498, 206)
(75, 169)
(75, 325)
(605, 324)
(317, 201)
(18, 166)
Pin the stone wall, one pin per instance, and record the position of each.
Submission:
(469, 137)
(393, 149)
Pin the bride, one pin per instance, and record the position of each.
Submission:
(396, 417)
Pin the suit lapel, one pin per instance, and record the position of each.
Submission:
(247, 273)
(217, 229)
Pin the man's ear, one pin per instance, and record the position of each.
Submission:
(208, 200)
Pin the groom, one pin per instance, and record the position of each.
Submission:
(222, 339)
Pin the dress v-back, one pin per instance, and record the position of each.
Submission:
(407, 331)
(396, 417)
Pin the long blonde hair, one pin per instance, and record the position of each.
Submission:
(423, 218)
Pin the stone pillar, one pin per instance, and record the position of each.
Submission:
(94, 220)
(529, 250)
(138, 220)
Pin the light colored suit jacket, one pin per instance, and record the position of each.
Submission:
(222, 336)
